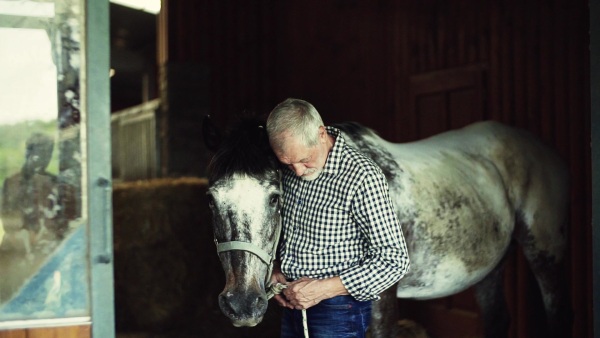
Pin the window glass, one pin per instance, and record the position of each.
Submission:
(43, 242)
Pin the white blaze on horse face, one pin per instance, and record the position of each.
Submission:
(244, 195)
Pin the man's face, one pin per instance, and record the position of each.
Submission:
(305, 162)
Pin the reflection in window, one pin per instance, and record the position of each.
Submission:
(43, 246)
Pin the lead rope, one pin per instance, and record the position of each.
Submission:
(277, 289)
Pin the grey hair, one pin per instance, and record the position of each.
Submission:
(297, 117)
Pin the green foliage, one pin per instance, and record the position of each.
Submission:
(12, 145)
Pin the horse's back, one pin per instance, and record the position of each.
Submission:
(525, 164)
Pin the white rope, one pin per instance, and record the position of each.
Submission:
(277, 289)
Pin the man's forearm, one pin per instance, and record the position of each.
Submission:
(333, 286)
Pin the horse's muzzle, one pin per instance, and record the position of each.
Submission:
(243, 308)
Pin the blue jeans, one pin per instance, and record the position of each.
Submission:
(337, 317)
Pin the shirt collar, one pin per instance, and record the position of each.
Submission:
(334, 158)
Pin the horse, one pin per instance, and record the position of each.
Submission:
(463, 199)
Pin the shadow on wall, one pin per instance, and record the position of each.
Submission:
(167, 272)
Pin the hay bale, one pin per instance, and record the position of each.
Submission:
(150, 212)
(163, 245)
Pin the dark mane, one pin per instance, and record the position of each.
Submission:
(245, 150)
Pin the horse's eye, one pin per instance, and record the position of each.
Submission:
(211, 201)
(274, 201)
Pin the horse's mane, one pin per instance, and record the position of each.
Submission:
(245, 150)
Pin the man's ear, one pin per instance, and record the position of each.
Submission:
(322, 134)
(211, 134)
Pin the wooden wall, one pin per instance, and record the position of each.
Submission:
(410, 69)
(56, 332)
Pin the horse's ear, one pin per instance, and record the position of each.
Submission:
(211, 134)
(264, 137)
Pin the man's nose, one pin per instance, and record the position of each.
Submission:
(298, 168)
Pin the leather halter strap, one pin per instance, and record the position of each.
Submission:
(254, 249)
(245, 246)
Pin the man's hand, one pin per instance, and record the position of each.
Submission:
(278, 277)
(306, 292)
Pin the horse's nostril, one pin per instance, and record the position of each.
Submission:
(243, 305)
(228, 306)
(260, 303)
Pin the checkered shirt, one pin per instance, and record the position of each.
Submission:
(343, 224)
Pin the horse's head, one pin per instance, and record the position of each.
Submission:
(244, 196)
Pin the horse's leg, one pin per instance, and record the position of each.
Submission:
(489, 294)
(385, 315)
(537, 182)
(550, 273)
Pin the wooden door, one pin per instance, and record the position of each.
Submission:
(446, 99)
